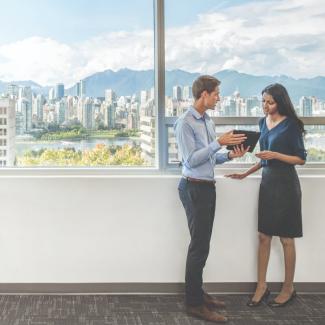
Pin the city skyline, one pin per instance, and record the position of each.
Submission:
(59, 117)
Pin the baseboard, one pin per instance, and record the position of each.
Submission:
(145, 288)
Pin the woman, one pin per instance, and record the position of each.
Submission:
(279, 205)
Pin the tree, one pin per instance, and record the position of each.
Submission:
(101, 155)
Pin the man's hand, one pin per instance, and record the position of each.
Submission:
(266, 155)
(229, 138)
(237, 175)
(238, 151)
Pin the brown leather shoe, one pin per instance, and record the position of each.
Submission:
(203, 312)
(213, 302)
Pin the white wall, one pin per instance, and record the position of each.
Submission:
(133, 229)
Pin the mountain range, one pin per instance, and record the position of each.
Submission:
(128, 82)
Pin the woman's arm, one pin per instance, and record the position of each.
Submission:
(294, 160)
(267, 155)
(252, 170)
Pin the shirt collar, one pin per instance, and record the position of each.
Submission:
(197, 115)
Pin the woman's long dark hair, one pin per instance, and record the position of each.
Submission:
(285, 106)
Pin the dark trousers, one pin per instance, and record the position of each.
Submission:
(199, 200)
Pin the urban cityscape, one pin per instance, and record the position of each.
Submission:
(76, 130)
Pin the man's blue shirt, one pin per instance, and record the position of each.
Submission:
(197, 145)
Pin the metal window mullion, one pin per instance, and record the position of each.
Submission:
(313, 120)
(161, 142)
(235, 120)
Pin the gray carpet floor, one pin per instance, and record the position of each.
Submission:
(149, 310)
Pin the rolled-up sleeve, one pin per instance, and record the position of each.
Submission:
(297, 143)
(220, 158)
(192, 156)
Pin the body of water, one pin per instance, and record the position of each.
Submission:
(85, 144)
(312, 140)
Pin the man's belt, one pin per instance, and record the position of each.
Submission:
(197, 180)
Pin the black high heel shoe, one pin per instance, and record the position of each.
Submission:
(252, 303)
(273, 303)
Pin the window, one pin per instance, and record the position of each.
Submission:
(3, 121)
(246, 45)
(3, 153)
(87, 88)
(91, 101)
(3, 142)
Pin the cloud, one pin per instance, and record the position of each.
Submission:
(264, 37)
(39, 59)
(259, 37)
(47, 61)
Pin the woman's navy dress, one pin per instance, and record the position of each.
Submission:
(279, 204)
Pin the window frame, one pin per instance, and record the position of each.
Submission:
(162, 123)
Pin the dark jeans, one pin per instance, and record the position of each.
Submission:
(199, 200)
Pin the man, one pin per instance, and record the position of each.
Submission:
(199, 148)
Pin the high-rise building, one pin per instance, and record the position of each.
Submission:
(177, 93)
(24, 107)
(109, 112)
(13, 90)
(80, 103)
(26, 92)
(81, 89)
(48, 112)
(306, 106)
(60, 110)
(315, 105)
(144, 97)
(71, 111)
(88, 118)
(229, 106)
(110, 96)
(19, 123)
(147, 138)
(59, 91)
(187, 92)
(7, 131)
(132, 121)
(147, 128)
(133, 118)
(51, 94)
(38, 103)
(251, 104)
(152, 93)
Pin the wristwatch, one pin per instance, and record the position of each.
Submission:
(229, 158)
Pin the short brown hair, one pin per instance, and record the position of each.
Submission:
(202, 83)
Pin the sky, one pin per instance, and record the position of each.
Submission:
(51, 41)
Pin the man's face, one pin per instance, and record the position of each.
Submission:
(210, 100)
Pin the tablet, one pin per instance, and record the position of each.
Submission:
(251, 141)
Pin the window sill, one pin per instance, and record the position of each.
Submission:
(312, 170)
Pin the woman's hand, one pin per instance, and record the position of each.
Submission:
(237, 175)
(238, 151)
(267, 155)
